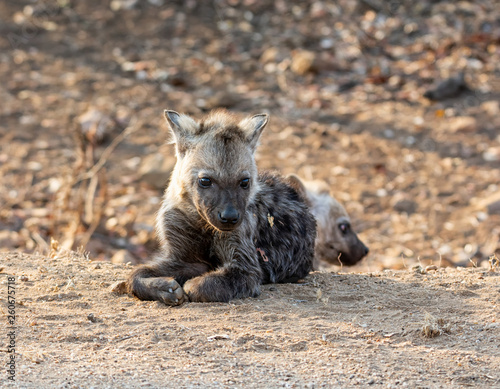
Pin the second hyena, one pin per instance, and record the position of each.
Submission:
(337, 243)
(224, 229)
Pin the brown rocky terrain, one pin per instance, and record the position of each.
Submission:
(345, 84)
(394, 104)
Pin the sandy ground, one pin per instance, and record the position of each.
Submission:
(345, 83)
(334, 330)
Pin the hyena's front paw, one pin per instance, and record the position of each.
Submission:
(200, 289)
(206, 289)
(166, 289)
(192, 289)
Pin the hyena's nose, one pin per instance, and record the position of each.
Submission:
(366, 250)
(229, 216)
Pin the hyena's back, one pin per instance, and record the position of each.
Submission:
(286, 231)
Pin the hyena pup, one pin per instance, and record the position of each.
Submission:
(336, 242)
(224, 229)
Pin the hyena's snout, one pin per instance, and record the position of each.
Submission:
(229, 216)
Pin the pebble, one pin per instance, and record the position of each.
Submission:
(269, 55)
(448, 88)
(494, 208)
(95, 125)
(491, 107)
(492, 154)
(302, 61)
(117, 5)
(462, 124)
(408, 206)
(119, 287)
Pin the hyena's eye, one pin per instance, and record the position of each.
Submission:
(245, 183)
(205, 182)
(344, 227)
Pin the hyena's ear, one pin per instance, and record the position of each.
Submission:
(296, 183)
(183, 129)
(254, 127)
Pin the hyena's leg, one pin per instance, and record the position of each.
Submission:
(162, 280)
(224, 285)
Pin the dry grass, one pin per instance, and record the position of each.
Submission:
(433, 326)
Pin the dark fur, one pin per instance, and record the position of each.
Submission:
(336, 243)
(204, 259)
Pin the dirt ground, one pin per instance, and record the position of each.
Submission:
(351, 90)
(387, 329)
(345, 85)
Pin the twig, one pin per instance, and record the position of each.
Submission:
(40, 241)
(89, 199)
(107, 153)
(125, 338)
(341, 264)
(97, 216)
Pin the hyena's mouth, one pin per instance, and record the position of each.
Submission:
(225, 227)
(350, 259)
(216, 223)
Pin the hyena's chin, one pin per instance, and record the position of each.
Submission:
(340, 258)
(348, 259)
(225, 228)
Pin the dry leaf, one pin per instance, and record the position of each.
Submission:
(270, 219)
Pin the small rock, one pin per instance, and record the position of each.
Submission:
(318, 10)
(492, 154)
(408, 206)
(92, 318)
(431, 268)
(95, 125)
(269, 55)
(347, 85)
(388, 133)
(491, 107)
(119, 287)
(218, 337)
(462, 124)
(117, 5)
(494, 208)
(450, 87)
(122, 256)
(70, 285)
(327, 43)
(302, 61)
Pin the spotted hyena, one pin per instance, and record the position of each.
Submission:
(224, 229)
(336, 242)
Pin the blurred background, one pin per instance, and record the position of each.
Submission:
(395, 104)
